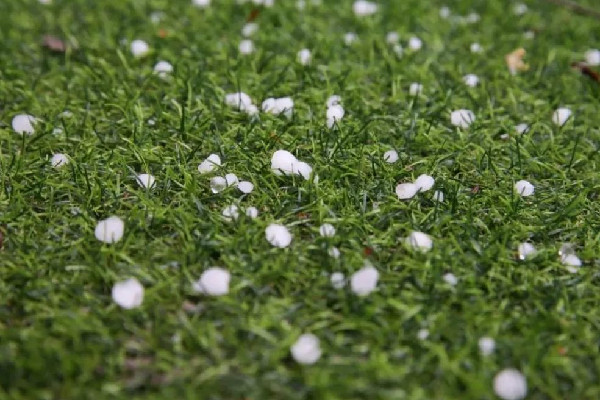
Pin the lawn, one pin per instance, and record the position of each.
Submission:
(410, 327)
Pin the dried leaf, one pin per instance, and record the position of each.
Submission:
(514, 61)
(253, 15)
(586, 70)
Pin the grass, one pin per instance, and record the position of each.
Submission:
(62, 336)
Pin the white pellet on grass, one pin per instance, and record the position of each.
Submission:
(450, 279)
(110, 230)
(524, 188)
(218, 184)
(163, 68)
(304, 56)
(350, 38)
(406, 191)
(561, 116)
(201, 3)
(444, 12)
(419, 241)
(472, 18)
(462, 118)
(415, 89)
(475, 48)
(526, 250)
(145, 181)
(364, 281)
(306, 350)
(592, 57)
(334, 252)
(438, 196)
(390, 156)
(486, 345)
(252, 212)
(529, 35)
(285, 163)
(333, 100)
(210, 164)
(510, 384)
(338, 280)
(59, 160)
(414, 43)
(522, 128)
(423, 334)
(245, 187)
(213, 282)
(392, 37)
(335, 113)
(139, 48)
(156, 17)
(282, 105)
(242, 102)
(246, 47)
(249, 29)
(231, 212)
(363, 8)
(520, 9)
(327, 230)
(278, 235)
(471, 80)
(398, 50)
(128, 294)
(24, 124)
(424, 182)
(569, 258)
(231, 179)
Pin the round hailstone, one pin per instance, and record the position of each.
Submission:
(398, 50)
(406, 191)
(245, 187)
(524, 188)
(231, 212)
(333, 100)
(110, 230)
(572, 262)
(486, 345)
(249, 29)
(392, 37)
(472, 18)
(218, 184)
(529, 35)
(327, 230)
(283, 162)
(522, 128)
(139, 48)
(520, 9)
(278, 235)
(561, 116)
(306, 350)
(213, 282)
(364, 281)
(239, 100)
(438, 196)
(510, 384)
(304, 56)
(334, 252)
(23, 124)
(349, 38)
(212, 161)
(450, 279)
(59, 160)
(390, 156)
(146, 181)
(252, 212)
(475, 48)
(201, 3)
(246, 46)
(424, 182)
(163, 68)
(423, 334)
(363, 8)
(128, 294)
(334, 114)
(414, 43)
(471, 80)
(419, 241)
(415, 89)
(462, 118)
(592, 57)
(57, 131)
(526, 250)
(231, 179)
(338, 280)
(444, 12)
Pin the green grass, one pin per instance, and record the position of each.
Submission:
(62, 336)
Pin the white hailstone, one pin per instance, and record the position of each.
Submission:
(218, 184)
(252, 212)
(419, 241)
(283, 105)
(471, 80)
(246, 46)
(472, 18)
(510, 384)
(520, 8)
(561, 116)
(423, 334)
(524, 188)
(66, 114)
(406, 191)
(522, 128)
(438, 196)
(304, 56)
(163, 68)
(327, 230)
(301, 5)
(486, 345)
(526, 250)
(213, 282)
(151, 122)
(285, 163)
(392, 37)
(57, 131)
(334, 114)
(424, 182)
(139, 48)
(476, 48)
(364, 281)
(249, 29)
(45, 1)
(398, 50)
(23, 124)
(414, 43)
(349, 38)
(338, 280)
(278, 235)
(592, 57)
(231, 212)
(212, 161)
(245, 187)
(110, 230)
(128, 294)
(450, 279)
(59, 160)
(333, 100)
(529, 35)
(146, 181)
(444, 12)
(462, 118)
(306, 350)
(415, 89)
(334, 252)
(201, 3)
(239, 100)
(156, 17)
(569, 258)
(231, 179)
(363, 8)
(390, 156)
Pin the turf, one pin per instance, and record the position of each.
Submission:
(62, 336)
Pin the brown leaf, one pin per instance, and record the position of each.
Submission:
(253, 15)
(514, 61)
(586, 70)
